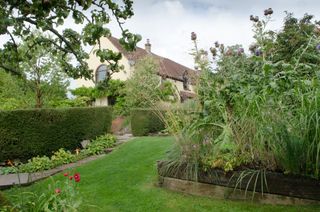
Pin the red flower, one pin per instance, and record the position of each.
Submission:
(66, 174)
(70, 177)
(57, 190)
(76, 177)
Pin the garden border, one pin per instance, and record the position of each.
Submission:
(25, 179)
(282, 189)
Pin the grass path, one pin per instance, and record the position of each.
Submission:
(125, 180)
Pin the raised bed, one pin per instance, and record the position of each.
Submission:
(280, 188)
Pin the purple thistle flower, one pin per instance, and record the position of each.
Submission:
(258, 52)
(240, 51)
(318, 47)
(193, 36)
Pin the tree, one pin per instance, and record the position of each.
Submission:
(18, 18)
(142, 86)
(13, 92)
(43, 70)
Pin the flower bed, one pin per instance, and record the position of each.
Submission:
(255, 182)
(41, 167)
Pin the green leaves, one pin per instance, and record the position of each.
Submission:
(108, 55)
(19, 18)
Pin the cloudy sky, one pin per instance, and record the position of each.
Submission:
(168, 23)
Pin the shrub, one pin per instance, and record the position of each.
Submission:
(36, 164)
(8, 170)
(145, 121)
(98, 145)
(62, 157)
(28, 133)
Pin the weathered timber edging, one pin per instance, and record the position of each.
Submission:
(278, 184)
(222, 192)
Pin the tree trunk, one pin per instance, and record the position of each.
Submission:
(39, 102)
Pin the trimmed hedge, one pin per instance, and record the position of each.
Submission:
(145, 121)
(28, 133)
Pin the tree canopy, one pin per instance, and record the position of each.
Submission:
(18, 18)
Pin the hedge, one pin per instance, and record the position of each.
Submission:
(28, 133)
(145, 121)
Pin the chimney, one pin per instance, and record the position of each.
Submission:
(148, 46)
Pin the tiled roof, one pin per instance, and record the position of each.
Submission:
(168, 68)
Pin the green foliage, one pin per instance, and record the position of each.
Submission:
(58, 196)
(145, 89)
(28, 133)
(258, 111)
(84, 92)
(142, 86)
(145, 121)
(167, 92)
(46, 16)
(8, 170)
(113, 89)
(62, 157)
(13, 93)
(36, 164)
(99, 144)
(82, 101)
(43, 69)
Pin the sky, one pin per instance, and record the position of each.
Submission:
(169, 23)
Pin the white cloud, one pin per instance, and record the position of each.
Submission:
(168, 24)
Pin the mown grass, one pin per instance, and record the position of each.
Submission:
(125, 180)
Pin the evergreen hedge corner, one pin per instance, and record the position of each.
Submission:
(145, 121)
(28, 133)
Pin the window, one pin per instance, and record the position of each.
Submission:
(101, 73)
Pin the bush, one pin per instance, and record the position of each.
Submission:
(98, 145)
(36, 164)
(145, 121)
(28, 133)
(62, 157)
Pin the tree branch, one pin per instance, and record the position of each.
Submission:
(59, 36)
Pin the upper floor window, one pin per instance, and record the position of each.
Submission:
(101, 73)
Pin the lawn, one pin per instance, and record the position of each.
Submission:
(125, 180)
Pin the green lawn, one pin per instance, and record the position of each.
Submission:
(125, 180)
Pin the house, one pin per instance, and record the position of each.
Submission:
(180, 76)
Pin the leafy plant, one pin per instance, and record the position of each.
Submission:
(98, 145)
(62, 157)
(257, 111)
(254, 179)
(36, 164)
(59, 196)
(8, 170)
(46, 16)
